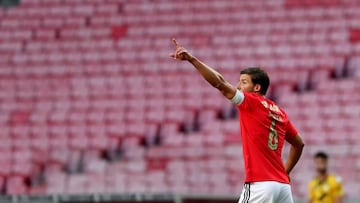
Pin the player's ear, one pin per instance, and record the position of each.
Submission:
(257, 88)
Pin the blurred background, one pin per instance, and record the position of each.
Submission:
(92, 109)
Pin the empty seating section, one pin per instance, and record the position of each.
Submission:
(91, 102)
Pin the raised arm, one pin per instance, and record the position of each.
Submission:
(214, 78)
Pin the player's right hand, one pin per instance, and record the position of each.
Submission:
(180, 53)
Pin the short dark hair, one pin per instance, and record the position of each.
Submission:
(258, 76)
(321, 155)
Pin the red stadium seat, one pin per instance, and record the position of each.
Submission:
(6, 168)
(76, 184)
(15, 185)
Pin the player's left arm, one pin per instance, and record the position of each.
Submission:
(297, 145)
(339, 192)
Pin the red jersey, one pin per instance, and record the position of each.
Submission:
(264, 127)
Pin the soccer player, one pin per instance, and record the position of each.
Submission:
(324, 188)
(264, 127)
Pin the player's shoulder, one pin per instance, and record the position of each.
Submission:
(250, 99)
(275, 104)
(334, 178)
(274, 107)
(313, 182)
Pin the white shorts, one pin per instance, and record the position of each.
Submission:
(266, 192)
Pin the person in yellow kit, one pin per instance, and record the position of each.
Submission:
(325, 187)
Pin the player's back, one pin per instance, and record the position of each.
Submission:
(264, 127)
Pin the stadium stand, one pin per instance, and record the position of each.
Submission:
(91, 103)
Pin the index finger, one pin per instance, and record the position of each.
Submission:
(175, 43)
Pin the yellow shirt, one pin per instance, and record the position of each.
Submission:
(325, 191)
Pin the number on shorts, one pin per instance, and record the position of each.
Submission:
(273, 137)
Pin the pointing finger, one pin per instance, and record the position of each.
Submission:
(175, 43)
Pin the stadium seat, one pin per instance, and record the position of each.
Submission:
(15, 185)
(76, 184)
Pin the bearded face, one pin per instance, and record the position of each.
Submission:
(321, 165)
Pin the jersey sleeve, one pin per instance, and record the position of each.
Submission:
(338, 189)
(291, 130)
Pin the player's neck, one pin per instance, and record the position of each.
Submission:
(322, 176)
(259, 94)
